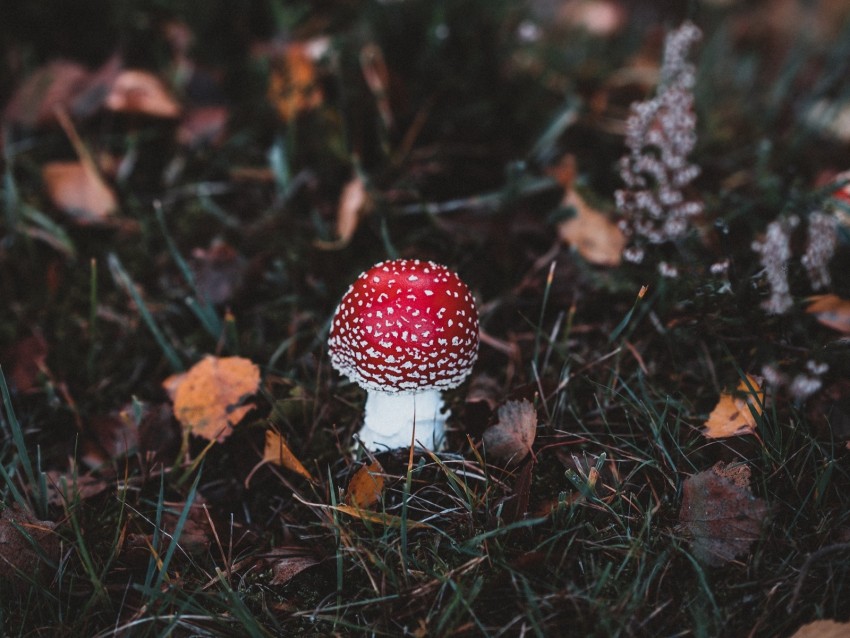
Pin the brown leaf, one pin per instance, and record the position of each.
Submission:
(208, 400)
(202, 125)
(219, 272)
(720, 515)
(823, 629)
(278, 452)
(78, 189)
(141, 93)
(27, 546)
(64, 489)
(288, 562)
(596, 238)
(831, 311)
(733, 414)
(54, 84)
(25, 361)
(354, 203)
(112, 437)
(366, 486)
(511, 438)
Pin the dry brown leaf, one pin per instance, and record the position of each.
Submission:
(219, 272)
(55, 84)
(64, 489)
(511, 438)
(823, 629)
(831, 311)
(285, 569)
(733, 414)
(202, 125)
(278, 452)
(208, 401)
(596, 238)
(78, 189)
(720, 515)
(141, 93)
(293, 83)
(25, 361)
(354, 203)
(366, 486)
(288, 562)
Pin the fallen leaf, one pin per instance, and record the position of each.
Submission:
(278, 452)
(354, 203)
(733, 414)
(142, 93)
(387, 520)
(720, 515)
(28, 547)
(25, 361)
(831, 311)
(202, 125)
(293, 82)
(78, 189)
(511, 438)
(54, 84)
(366, 486)
(823, 629)
(600, 18)
(208, 400)
(287, 562)
(377, 77)
(113, 436)
(219, 272)
(596, 238)
(64, 489)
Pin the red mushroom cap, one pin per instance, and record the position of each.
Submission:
(405, 325)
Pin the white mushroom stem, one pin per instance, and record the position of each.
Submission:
(391, 417)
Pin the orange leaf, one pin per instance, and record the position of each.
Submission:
(143, 93)
(77, 189)
(596, 238)
(366, 486)
(278, 452)
(293, 82)
(832, 311)
(207, 401)
(823, 629)
(733, 414)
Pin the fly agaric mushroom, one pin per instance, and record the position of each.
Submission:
(405, 331)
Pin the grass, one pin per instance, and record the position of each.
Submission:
(159, 534)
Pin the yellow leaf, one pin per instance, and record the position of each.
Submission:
(208, 399)
(387, 520)
(278, 452)
(832, 311)
(733, 414)
(599, 240)
(366, 486)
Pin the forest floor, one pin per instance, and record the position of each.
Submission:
(649, 205)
